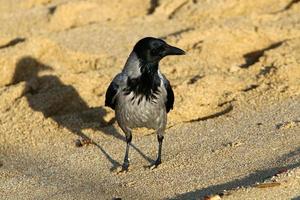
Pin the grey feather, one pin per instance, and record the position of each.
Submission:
(133, 112)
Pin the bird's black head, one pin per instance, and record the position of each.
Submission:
(152, 50)
(149, 52)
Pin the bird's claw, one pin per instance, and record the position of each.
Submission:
(155, 165)
(123, 168)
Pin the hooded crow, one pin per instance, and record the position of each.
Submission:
(141, 95)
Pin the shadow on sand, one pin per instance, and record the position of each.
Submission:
(62, 103)
(251, 179)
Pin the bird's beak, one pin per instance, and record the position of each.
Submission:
(171, 50)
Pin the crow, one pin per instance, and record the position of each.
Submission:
(141, 95)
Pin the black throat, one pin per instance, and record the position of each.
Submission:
(146, 85)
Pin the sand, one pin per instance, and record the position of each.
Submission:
(236, 119)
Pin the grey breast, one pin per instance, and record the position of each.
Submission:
(141, 112)
(144, 113)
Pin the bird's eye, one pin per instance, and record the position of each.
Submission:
(157, 51)
(154, 52)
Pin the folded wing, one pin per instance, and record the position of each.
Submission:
(170, 95)
(112, 91)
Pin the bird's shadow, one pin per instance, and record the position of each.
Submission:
(62, 103)
(285, 162)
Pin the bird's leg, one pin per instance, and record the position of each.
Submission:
(160, 139)
(126, 160)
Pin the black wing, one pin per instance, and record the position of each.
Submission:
(170, 95)
(112, 90)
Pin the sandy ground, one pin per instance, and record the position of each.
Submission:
(234, 132)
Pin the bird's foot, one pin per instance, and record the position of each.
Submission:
(155, 165)
(123, 168)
